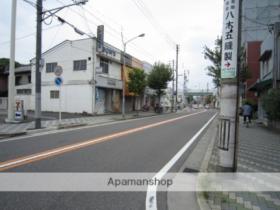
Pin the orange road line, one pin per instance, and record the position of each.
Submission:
(60, 150)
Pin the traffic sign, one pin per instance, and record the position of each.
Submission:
(58, 81)
(58, 71)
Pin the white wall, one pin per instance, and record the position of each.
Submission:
(76, 90)
(65, 55)
(76, 95)
(114, 69)
(267, 66)
(74, 99)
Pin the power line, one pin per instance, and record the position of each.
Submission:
(149, 16)
(112, 31)
(29, 35)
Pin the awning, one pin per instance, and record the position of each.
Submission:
(262, 85)
(266, 55)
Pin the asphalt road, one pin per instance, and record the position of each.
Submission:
(144, 150)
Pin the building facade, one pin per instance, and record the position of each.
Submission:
(91, 79)
(258, 17)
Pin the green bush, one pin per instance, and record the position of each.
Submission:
(271, 104)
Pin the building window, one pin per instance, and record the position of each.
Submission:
(23, 91)
(104, 64)
(50, 67)
(18, 79)
(54, 94)
(80, 65)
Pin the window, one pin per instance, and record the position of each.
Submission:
(54, 94)
(18, 78)
(23, 91)
(104, 64)
(50, 67)
(80, 65)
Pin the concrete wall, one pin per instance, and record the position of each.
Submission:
(257, 14)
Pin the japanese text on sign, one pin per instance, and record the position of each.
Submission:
(230, 39)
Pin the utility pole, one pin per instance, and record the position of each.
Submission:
(276, 70)
(39, 8)
(173, 78)
(230, 68)
(11, 92)
(123, 69)
(39, 63)
(176, 99)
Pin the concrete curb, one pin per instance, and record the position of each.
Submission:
(71, 125)
(210, 133)
(7, 135)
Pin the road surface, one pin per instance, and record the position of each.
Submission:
(142, 145)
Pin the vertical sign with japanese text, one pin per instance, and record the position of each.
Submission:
(230, 39)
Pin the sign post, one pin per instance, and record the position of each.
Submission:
(228, 118)
(58, 82)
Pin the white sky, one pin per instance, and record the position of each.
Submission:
(190, 23)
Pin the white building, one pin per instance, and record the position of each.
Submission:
(91, 79)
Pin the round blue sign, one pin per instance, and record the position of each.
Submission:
(58, 81)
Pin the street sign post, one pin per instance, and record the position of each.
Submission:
(58, 71)
(58, 82)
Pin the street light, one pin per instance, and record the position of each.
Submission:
(123, 63)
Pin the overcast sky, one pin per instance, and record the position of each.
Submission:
(189, 23)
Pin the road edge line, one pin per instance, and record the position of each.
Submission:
(151, 196)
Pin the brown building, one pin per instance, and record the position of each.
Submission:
(253, 54)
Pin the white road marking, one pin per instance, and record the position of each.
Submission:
(151, 196)
(52, 152)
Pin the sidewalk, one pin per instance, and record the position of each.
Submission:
(259, 151)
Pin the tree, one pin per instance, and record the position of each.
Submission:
(159, 77)
(4, 64)
(271, 104)
(215, 56)
(137, 82)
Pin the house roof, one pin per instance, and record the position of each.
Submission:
(261, 85)
(21, 69)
